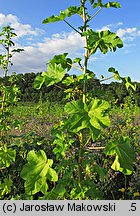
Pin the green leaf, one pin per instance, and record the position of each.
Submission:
(69, 80)
(95, 5)
(77, 60)
(98, 117)
(61, 142)
(60, 190)
(90, 116)
(63, 14)
(61, 145)
(66, 63)
(56, 193)
(124, 155)
(107, 5)
(112, 4)
(128, 83)
(7, 156)
(116, 73)
(104, 40)
(38, 82)
(54, 74)
(78, 118)
(5, 187)
(126, 80)
(37, 171)
(17, 50)
(52, 175)
(101, 171)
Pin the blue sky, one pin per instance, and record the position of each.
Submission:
(41, 42)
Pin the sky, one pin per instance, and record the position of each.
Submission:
(42, 41)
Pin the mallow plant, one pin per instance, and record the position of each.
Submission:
(9, 94)
(77, 173)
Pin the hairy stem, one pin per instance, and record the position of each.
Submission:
(86, 55)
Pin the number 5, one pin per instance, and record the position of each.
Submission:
(133, 207)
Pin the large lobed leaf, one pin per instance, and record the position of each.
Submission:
(91, 116)
(61, 59)
(63, 14)
(107, 5)
(54, 74)
(37, 171)
(104, 40)
(124, 155)
(126, 80)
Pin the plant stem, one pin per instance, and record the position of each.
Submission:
(81, 69)
(72, 27)
(88, 141)
(107, 78)
(94, 14)
(7, 56)
(96, 148)
(86, 55)
(80, 159)
(59, 87)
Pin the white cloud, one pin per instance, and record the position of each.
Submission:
(20, 29)
(128, 33)
(35, 57)
(37, 54)
(110, 26)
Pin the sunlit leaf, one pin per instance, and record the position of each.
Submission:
(66, 63)
(38, 82)
(104, 40)
(112, 4)
(68, 81)
(37, 171)
(97, 115)
(7, 156)
(54, 74)
(124, 153)
(5, 186)
(128, 83)
(90, 116)
(107, 5)
(63, 14)
(115, 72)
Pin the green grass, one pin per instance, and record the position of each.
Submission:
(36, 118)
(30, 109)
(35, 133)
